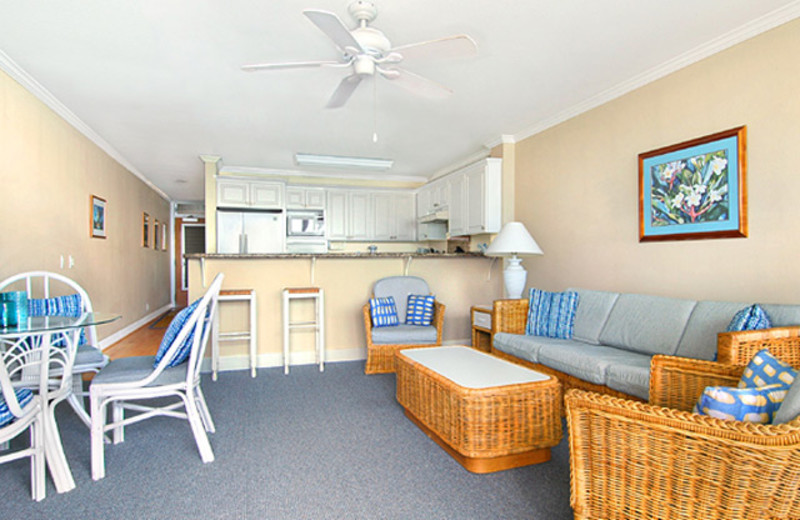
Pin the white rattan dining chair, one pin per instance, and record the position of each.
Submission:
(88, 357)
(21, 410)
(147, 377)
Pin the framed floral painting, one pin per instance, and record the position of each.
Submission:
(695, 189)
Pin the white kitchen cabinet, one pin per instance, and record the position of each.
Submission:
(305, 198)
(393, 215)
(240, 193)
(348, 215)
(475, 198)
(457, 225)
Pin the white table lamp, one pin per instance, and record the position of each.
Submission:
(514, 240)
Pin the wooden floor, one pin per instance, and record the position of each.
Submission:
(141, 342)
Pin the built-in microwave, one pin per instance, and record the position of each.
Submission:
(305, 223)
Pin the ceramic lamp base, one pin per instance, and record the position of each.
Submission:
(515, 277)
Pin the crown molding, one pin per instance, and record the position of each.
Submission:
(751, 29)
(251, 170)
(16, 73)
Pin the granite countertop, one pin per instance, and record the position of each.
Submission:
(220, 256)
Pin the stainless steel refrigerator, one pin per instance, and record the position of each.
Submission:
(250, 231)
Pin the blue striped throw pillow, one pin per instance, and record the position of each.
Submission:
(69, 305)
(24, 396)
(419, 310)
(765, 369)
(175, 326)
(750, 318)
(383, 312)
(551, 314)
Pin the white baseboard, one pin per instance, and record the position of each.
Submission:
(120, 334)
(275, 359)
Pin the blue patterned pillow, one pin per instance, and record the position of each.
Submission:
(419, 310)
(383, 312)
(551, 314)
(70, 305)
(765, 369)
(750, 318)
(24, 396)
(175, 326)
(742, 404)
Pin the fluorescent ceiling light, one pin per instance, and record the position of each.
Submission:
(338, 161)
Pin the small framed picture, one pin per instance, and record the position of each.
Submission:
(156, 233)
(98, 217)
(145, 230)
(163, 237)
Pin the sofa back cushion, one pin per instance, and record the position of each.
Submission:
(708, 319)
(647, 324)
(782, 315)
(593, 310)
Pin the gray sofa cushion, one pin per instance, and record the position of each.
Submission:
(782, 315)
(647, 324)
(404, 335)
(707, 320)
(525, 347)
(593, 310)
(399, 287)
(587, 362)
(631, 376)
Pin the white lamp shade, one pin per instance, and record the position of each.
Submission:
(513, 239)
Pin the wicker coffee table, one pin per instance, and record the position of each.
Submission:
(488, 414)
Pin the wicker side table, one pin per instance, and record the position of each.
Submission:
(491, 418)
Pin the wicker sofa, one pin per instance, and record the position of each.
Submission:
(616, 336)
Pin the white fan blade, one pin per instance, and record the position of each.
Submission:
(344, 91)
(334, 28)
(416, 83)
(447, 47)
(288, 65)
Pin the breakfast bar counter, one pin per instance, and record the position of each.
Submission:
(459, 280)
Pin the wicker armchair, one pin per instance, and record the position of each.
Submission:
(632, 460)
(381, 356)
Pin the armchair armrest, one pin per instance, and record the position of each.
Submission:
(737, 348)
(635, 460)
(438, 319)
(367, 323)
(677, 382)
(510, 316)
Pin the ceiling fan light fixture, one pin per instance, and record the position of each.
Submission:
(340, 161)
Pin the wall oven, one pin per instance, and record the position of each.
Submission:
(305, 223)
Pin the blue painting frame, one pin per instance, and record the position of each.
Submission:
(695, 190)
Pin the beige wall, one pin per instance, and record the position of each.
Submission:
(577, 183)
(48, 172)
(459, 283)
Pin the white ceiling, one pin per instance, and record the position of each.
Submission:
(157, 83)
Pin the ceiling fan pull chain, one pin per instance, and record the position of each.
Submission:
(374, 110)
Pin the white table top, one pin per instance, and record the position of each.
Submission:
(471, 368)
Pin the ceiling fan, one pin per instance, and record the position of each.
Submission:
(366, 50)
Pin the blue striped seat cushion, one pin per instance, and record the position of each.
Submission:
(419, 310)
(383, 312)
(69, 305)
(175, 326)
(551, 314)
(24, 397)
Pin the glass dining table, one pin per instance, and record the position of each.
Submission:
(45, 347)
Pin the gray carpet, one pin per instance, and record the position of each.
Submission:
(309, 445)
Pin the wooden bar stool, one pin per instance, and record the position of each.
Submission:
(234, 295)
(318, 324)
